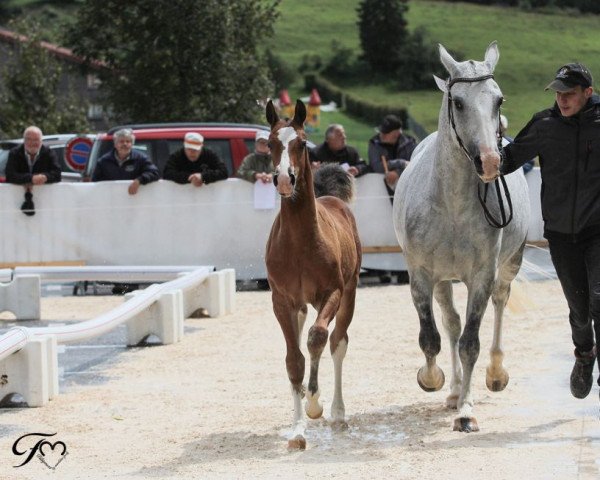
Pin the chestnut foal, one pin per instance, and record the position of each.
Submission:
(313, 257)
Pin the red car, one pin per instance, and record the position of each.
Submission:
(230, 141)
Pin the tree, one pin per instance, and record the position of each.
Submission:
(29, 93)
(382, 28)
(178, 60)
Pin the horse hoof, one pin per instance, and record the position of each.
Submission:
(431, 382)
(466, 425)
(452, 401)
(496, 381)
(339, 425)
(314, 410)
(297, 443)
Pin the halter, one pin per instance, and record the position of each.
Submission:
(482, 200)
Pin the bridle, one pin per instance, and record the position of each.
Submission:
(482, 200)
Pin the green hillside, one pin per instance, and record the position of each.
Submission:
(532, 46)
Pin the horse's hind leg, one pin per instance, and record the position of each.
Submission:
(338, 343)
(317, 339)
(496, 377)
(430, 377)
(451, 320)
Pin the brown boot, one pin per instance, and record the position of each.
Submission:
(582, 374)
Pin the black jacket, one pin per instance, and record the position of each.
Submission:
(397, 155)
(17, 166)
(569, 154)
(179, 168)
(349, 155)
(137, 166)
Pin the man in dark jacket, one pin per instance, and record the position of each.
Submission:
(390, 151)
(194, 163)
(125, 163)
(335, 150)
(32, 164)
(566, 138)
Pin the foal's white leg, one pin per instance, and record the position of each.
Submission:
(338, 410)
(297, 439)
(451, 321)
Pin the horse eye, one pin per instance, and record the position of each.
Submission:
(500, 101)
(458, 104)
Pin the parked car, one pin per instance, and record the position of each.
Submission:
(58, 143)
(230, 141)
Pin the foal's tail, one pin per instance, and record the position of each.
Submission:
(331, 179)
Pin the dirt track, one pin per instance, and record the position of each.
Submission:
(218, 405)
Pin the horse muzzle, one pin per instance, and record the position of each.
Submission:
(284, 184)
(487, 165)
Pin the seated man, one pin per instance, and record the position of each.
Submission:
(258, 165)
(390, 151)
(194, 164)
(335, 150)
(125, 163)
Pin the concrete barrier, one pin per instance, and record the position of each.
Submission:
(28, 356)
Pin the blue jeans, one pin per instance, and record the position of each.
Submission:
(578, 268)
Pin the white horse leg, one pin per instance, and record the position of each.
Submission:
(479, 294)
(497, 377)
(430, 377)
(451, 320)
(297, 440)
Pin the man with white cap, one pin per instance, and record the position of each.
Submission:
(565, 138)
(194, 163)
(258, 165)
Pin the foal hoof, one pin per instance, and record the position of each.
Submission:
(496, 379)
(313, 408)
(465, 424)
(430, 380)
(297, 443)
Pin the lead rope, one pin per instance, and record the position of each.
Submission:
(482, 200)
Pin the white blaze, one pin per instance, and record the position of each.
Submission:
(285, 135)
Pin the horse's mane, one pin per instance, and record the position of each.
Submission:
(331, 179)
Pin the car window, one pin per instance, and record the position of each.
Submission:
(3, 160)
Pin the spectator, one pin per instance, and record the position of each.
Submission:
(335, 150)
(390, 151)
(194, 164)
(529, 164)
(564, 137)
(258, 165)
(125, 163)
(32, 164)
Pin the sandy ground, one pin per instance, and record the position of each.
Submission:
(218, 404)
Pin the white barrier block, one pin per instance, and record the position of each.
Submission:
(22, 297)
(229, 282)
(27, 372)
(164, 318)
(52, 359)
(216, 294)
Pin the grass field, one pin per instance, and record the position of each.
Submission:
(532, 46)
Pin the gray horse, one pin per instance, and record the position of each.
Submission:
(446, 233)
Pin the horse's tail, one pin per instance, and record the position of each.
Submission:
(331, 179)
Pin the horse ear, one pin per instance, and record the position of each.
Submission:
(492, 55)
(442, 85)
(272, 116)
(447, 60)
(299, 114)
